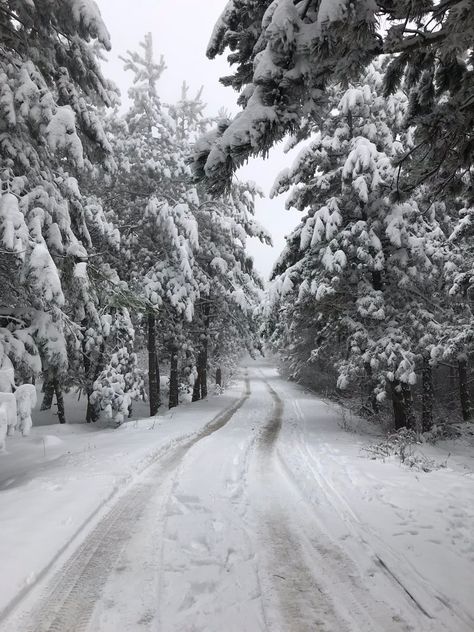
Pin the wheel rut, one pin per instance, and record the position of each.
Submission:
(70, 597)
(269, 435)
(299, 567)
(285, 574)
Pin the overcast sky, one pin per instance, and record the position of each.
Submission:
(181, 31)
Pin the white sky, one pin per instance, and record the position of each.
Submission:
(181, 30)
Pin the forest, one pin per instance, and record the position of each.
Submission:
(123, 230)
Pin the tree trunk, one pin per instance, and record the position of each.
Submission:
(203, 356)
(51, 388)
(200, 385)
(372, 404)
(452, 387)
(399, 414)
(410, 418)
(48, 390)
(92, 412)
(202, 370)
(427, 396)
(153, 367)
(60, 402)
(219, 376)
(464, 394)
(197, 389)
(403, 409)
(174, 386)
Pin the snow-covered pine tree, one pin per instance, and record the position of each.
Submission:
(352, 286)
(454, 342)
(120, 381)
(189, 115)
(229, 286)
(434, 60)
(149, 198)
(285, 53)
(95, 302)
(50, 83)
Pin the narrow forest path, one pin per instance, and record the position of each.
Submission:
(238, 529)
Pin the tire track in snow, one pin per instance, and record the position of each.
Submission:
(210, 580)
(271, 431)
(414, 586)
(315, 584)
(70, 597)
(302, 604)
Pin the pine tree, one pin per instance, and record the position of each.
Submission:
(50, 131)
(229, 287)
(352, 286)
(120, 381)
(286, 53)
(149, 198)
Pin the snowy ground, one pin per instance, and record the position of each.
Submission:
(252, 511)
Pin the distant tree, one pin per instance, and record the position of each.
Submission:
(229, 286)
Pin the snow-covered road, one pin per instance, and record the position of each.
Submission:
(260, 515)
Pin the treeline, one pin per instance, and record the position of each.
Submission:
(374, 288)
(107, 247)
